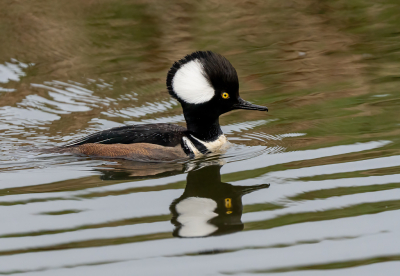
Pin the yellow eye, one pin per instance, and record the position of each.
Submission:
(225, 95)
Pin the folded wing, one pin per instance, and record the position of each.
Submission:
(159, 134)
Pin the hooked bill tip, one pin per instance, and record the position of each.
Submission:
(242, 104)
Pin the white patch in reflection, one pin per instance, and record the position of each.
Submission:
(194, 214)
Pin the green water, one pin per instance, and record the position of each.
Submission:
(328, 147)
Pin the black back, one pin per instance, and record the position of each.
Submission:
(160, 134)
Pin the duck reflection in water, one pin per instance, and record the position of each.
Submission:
(208, 206)
(131, 170)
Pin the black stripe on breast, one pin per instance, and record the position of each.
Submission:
(199, 146)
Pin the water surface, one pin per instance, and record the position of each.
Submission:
(310, 188)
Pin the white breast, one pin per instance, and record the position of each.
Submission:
(215, 145)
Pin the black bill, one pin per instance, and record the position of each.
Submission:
(242, 104)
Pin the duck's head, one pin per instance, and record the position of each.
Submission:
(206, 84)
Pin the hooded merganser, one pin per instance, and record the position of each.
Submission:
(206, 85)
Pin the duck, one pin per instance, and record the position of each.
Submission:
(206, 85)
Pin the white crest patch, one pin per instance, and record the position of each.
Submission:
(190, 84)
(194, 214)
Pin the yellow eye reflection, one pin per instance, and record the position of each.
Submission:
(225, 95)
(228, 205)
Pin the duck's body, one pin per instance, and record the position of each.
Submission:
(149, 142)
(206, 85)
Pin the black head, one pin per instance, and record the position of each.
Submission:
(206, 83)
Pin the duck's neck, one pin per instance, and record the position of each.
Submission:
(203, 128)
